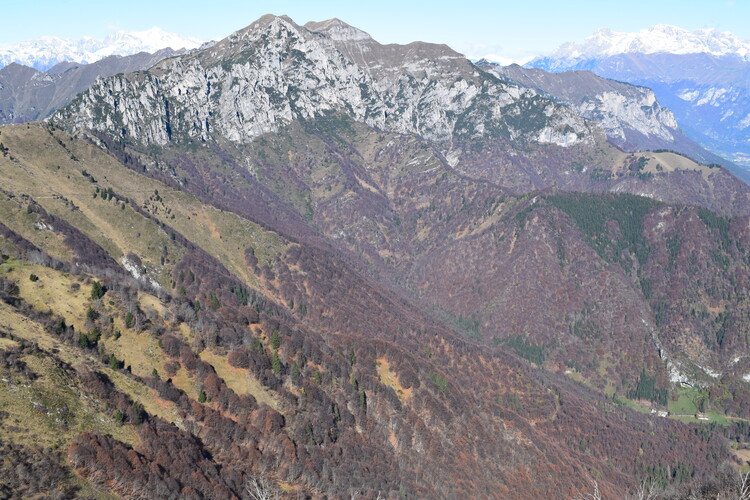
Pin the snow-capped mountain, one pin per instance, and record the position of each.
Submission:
(703, 76)
(653, 40)
(45, 52)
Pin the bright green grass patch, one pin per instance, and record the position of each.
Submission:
(686, 403)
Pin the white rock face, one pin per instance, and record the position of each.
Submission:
(265, 76)
(43, 53)
(675, 375)
(628, 114)
(702, 75)
(617, 113)
(136, 272)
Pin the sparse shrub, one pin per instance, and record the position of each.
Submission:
(440, 381)
(119, 417)
(171, 367)
(275, 340)
(276, 363)
(129, 320)
(97, 290)
(114, 363)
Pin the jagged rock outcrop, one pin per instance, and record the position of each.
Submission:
(702, 76)
(273, 72)
(631, 116)
(29, 95)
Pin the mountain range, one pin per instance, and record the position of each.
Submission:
(302, 263)
(45, 52)
(27, 94)
(702, 76)
(661, 38)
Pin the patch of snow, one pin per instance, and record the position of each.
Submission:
(45, 52)
(688, 95)
(656, 39)
(712, 97)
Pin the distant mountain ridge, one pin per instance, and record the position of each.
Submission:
(656, 39)
(45, 52)
(275, 72)
(702, 76)
(30, 95)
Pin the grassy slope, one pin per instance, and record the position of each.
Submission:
(241, 380)
(42, 168)
(139, 350)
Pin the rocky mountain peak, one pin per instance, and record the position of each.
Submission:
(337, 30)
(274, 71)
(15, 70)
(630, 115)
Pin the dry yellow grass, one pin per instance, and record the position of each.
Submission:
(7, 343)
(53, 291)
(26, 403)
(14, 214)
(185, 381)
(49, 175)
(240, 380)
(45, 171)
(148, 301)
(140, 351)
(670, 162)
(744, 456)
(390, 378)
(19, 325)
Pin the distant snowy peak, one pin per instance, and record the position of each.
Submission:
(659, 38)
(132, 42)
(43, 53)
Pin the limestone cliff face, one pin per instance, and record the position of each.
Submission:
(708, 92)
(274, 71)
(630, 115)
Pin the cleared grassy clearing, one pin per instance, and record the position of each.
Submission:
(390, 378)
(65, 294)
(59, 173)
(240, 380)
(18, 325)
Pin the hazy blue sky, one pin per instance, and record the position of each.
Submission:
(514, 29)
